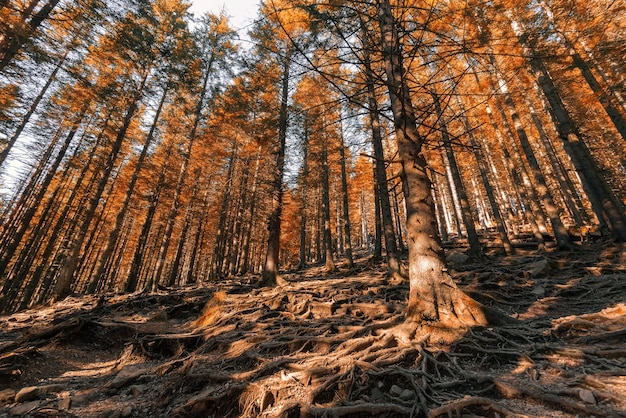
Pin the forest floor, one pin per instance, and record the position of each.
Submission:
(318, 345)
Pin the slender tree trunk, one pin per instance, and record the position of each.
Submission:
(380, 178)
(31, 110)
(11, 288)
(560, 233)
(303, 202)
(347, 225)
(134, 273)
(481, 161)
(182, 174)
(245, 263)
(600, 194)
(175, 274)
(272, 257)
(191, 269)
(221, 238)
(475, 249)
(70, 264)
(328, 241)
(605, 99)
(567, 189)
(104, 260)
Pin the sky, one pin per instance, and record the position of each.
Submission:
(242, 12)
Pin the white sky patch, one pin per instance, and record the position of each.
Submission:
(241, 12)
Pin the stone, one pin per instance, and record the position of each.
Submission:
(65, 404)
(538, 291)
(32, 392)
(127, 411)
(126, 376)
(27, 394)
(456, 257)
(137, 390)
(587, 396)
(24, 408)
(80, 400)
(395, 390)
(7, 395)
(538, 268)
(407, 395)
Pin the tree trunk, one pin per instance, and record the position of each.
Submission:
(475, 249)
(560, 233)
(182, 174)
(105, 257)
(481, 161)
(303, 206)
(327, 236)
(71, 262)
(272, 256)
(31, 110)
(602, 198)
(433, 297)
(347, 225)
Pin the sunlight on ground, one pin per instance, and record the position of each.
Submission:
(91, 369)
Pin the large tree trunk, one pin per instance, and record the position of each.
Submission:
(434, 299)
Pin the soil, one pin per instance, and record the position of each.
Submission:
(327, 344)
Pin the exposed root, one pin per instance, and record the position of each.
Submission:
(334, 346)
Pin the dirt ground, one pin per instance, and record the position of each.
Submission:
(319, 345)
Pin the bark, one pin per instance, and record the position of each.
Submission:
(303, 201)
(11, 287)
(605, 99)
(481, 161)
(272, 260)
(221, 238)
(560, 233)
(566, 187)
(532, 212)
(175, 274)
(182, 175)
(191, 269)
(386, 220)
(433, 296)
(327, 236)
(602, 198)
(25, 221)
(245, 257)
(347, 225)
(132, 281)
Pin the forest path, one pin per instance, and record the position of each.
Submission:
(321, 345)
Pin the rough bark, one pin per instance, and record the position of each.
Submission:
(271, 265)
(380, 171)
(433, 297)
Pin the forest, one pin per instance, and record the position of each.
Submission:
(386, 208)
